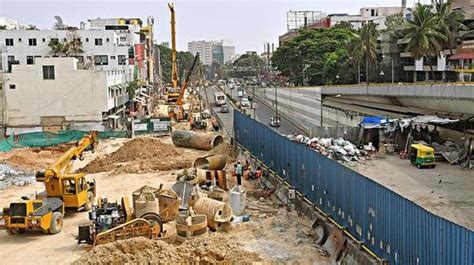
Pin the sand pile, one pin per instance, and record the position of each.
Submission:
(140, 155)
(225, 149)
(33, 159)
(209, 249)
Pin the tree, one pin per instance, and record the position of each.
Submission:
(247, 65)
(316, 57)
(57, 48)
(364, 46)
(449, 22)
(185, 59)
(31, 27)
(394, 22)
(422, 34)
(73, 47)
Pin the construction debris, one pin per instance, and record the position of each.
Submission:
(456, 154)
(337, 149)
(11, 177)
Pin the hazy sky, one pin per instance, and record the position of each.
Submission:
(248, 23)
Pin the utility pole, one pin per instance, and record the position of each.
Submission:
(393, 77)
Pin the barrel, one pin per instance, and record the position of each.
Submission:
(218, 213)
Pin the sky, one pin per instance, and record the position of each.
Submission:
(247, 23)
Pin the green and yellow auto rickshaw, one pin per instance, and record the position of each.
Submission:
(422, 156)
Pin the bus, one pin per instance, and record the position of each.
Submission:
(219, 98)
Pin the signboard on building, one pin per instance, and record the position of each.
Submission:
(159, 125)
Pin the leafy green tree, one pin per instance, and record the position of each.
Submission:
(3, 27)
(57, 48)
(247, 65)
(423, 36)
(364, 46)
(316, 56)
(184, 59)
(449, 22)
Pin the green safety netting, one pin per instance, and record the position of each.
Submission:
(43, 139)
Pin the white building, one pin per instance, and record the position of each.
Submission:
(205, 49)
(228, 49)
(10, 24)
(104, 46)
(366, 14)
(54, 94)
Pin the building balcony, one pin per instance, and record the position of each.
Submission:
(405, 54)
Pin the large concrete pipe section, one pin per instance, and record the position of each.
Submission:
(203, 141)
(211, 162)
(218, 213)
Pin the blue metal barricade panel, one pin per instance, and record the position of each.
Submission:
(391, 226)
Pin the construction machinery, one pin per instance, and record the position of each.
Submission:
(173, 93)
(63, 189)
(112, 221)
(33, 215)
(60, 182)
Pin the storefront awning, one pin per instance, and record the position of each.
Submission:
(461, 56)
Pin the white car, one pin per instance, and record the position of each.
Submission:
(245, 103)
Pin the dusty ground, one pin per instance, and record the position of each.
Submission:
(274, 235)
(445, 190)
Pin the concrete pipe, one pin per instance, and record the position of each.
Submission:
(190, 226)
(204, 175)
(212, 162)
(218, 213)
(203, 141)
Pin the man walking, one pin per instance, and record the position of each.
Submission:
(238, 172)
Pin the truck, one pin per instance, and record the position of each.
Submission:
(219, 98)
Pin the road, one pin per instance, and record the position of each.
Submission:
(262, 113)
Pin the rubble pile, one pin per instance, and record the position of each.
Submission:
(456, 154)
(11, 177)
(337, 149)
(213, 248)
(140, 155)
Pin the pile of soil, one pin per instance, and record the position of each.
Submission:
(213, 248)
(32, 159)
(225, 149)
(140, 155)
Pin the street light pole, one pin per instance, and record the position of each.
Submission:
(358, 72)
(393, 77)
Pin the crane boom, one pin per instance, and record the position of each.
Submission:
(174, 67)
(186, 81)
(63, 164)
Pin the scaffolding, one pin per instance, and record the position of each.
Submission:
(301, 19)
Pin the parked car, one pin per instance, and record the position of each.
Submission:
(245, 103)
(224, 109)
(275, 121)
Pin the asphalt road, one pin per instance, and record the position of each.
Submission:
(262, 113)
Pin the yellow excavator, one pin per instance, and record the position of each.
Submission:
(63, 189)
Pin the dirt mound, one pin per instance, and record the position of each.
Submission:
(30, 159)
(225, 149)
(140, 155)
(209, 249)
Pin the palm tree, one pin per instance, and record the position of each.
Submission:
(364, 45)
(422, 34)
(449, 22)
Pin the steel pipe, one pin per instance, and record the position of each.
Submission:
(190, 139)
(211, 162)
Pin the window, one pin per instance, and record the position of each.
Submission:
(80, 59)
(9, 42)
(98, 42)
(32, 42)
(122, 59)
(69, 186)
(107, 40)
(65, 40)
(101, 60)
(11, 58)
(19, 40)
(12, 86)
(112, 57)
(48, 72)
(37, 205)
(30, 60)
(44, 40)
(87, 39)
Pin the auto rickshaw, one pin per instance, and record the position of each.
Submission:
(422, 156)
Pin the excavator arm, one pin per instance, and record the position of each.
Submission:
(179, 102)
(63, 164)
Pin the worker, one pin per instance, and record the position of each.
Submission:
(238, 172)
(215, 124)
(191, 122)
(258, 173)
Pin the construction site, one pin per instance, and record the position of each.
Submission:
(126, 167)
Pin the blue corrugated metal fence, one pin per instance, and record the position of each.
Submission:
(391, 226)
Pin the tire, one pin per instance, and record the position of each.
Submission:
(418, 166)
(56, 223)
(89, 202)
(12, 231)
